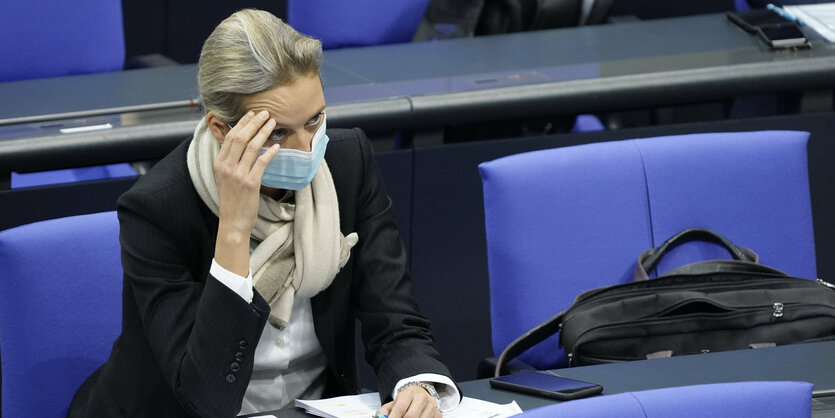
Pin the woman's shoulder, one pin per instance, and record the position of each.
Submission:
(348, 146)
(165, 187)
(346, 138)
(342, 134)
(167, 174)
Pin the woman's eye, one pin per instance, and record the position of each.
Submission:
(278, 135)
(315, 120)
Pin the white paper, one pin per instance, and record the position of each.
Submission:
(476, 408)
(819, 17)
(366, 404)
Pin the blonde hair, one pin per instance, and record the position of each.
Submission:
(249, 52)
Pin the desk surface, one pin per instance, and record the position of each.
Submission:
(532, 74)
(813, 362)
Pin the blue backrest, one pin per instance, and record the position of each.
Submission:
(40, 38)
(358, 22)
(732, 400)
(60, 309)
(565, 220)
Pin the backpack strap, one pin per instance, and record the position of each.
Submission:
(528, 340)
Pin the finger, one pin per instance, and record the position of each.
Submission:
(385, 409)
(261, 162)
(224, 147)
(240, 136)
(399, 406)
(412, 403)
(255, 144)
(423, 408)
(419, 407)
(430, 409)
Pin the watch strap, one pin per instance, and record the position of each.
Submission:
(428, 387)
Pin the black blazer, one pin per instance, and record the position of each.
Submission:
(187, 341)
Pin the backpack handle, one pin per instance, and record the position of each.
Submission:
(649, 259)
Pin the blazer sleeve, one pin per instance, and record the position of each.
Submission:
(397, 336)
(201, 333)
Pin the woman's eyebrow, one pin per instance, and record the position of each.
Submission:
(318, 112)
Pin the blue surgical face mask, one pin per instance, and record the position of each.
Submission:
(292, 169)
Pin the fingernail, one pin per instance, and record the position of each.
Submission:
(262, 114)
(271, 121)
(250, 113)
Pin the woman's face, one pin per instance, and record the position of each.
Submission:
(298, 109)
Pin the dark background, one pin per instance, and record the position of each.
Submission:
(177, 28)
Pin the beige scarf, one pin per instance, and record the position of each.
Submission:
(295, 249)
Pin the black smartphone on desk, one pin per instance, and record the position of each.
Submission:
(547, 384)
(786, 35)
(750, 20)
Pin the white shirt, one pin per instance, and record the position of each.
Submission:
(289, 363)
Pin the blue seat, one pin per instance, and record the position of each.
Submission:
(719, 400)
(44, 39)
(565, 220)
(356, 23)
(60, 309)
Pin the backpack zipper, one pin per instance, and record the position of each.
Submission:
(824, 283)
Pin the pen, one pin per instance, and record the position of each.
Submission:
(784, 13)
(87, 128)
(380, 416)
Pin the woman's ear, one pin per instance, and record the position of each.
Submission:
(216, 126)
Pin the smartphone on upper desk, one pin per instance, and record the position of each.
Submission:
(547, 384)
(784, 35)
(750, 20)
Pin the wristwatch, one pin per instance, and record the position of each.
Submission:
(429, 388)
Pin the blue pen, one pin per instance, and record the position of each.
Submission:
(784, 13)
(380, 416)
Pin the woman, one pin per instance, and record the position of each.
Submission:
(249, 250)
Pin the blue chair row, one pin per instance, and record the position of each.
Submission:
(558, 221)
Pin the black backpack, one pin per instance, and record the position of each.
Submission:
(707, 306)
